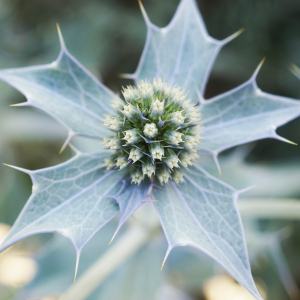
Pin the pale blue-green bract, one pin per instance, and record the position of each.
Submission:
(77, 198)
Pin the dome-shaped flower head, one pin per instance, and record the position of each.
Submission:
(152, 142)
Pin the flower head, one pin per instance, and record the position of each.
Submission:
(154, 132)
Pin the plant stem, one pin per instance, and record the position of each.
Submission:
(270, 208)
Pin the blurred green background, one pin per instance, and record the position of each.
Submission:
(108, 37)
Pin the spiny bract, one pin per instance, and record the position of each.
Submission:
(155, 131)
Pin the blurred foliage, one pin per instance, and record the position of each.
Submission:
(108, 38)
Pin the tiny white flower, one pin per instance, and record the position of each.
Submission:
(156, 150)
(146, 90)
(159, 85)
(109, 163)
(189, 141)
(173, 137)
(177, 118)
(186, 158)
(137, 176)
(171, 161)
(177, 176)
(130, 94)
(129, 111)
(117, 104)
(150, 130)
(135, 154)
(148, 169)
(107, 120)
(157, 108)
(196, 130)
(114, 144)
(115, 124)
(193, 116)
(163, 176)
(132, 136)
(177, 94)
(122, 161)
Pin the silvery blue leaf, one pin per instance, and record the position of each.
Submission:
(202, 213)
(137, 278)
(76, 198)
(130, 198)
(67, 91)
(243, 115)
(181, 53)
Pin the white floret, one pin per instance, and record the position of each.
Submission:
(156, 151)
(148, 169)
(135, 154)
(157, 108)
(177, 176)
(177, 118)
(109, 163)
(163, 176)
(122, 162)
(130, 94)
(129, 111)
(137, 177)
(173, 137)
(150, 130)
(131, 136)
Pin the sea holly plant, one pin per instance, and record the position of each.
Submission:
(152, 137)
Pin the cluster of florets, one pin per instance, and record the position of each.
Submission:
(155, 132)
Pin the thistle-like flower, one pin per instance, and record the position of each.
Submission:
(154, 133)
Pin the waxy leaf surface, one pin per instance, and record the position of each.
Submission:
(202, 213)
(79, 197)
(75, 198)
(130, 198)
(183, 54)
(137, 278)
(243, 115)
(67, 91)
